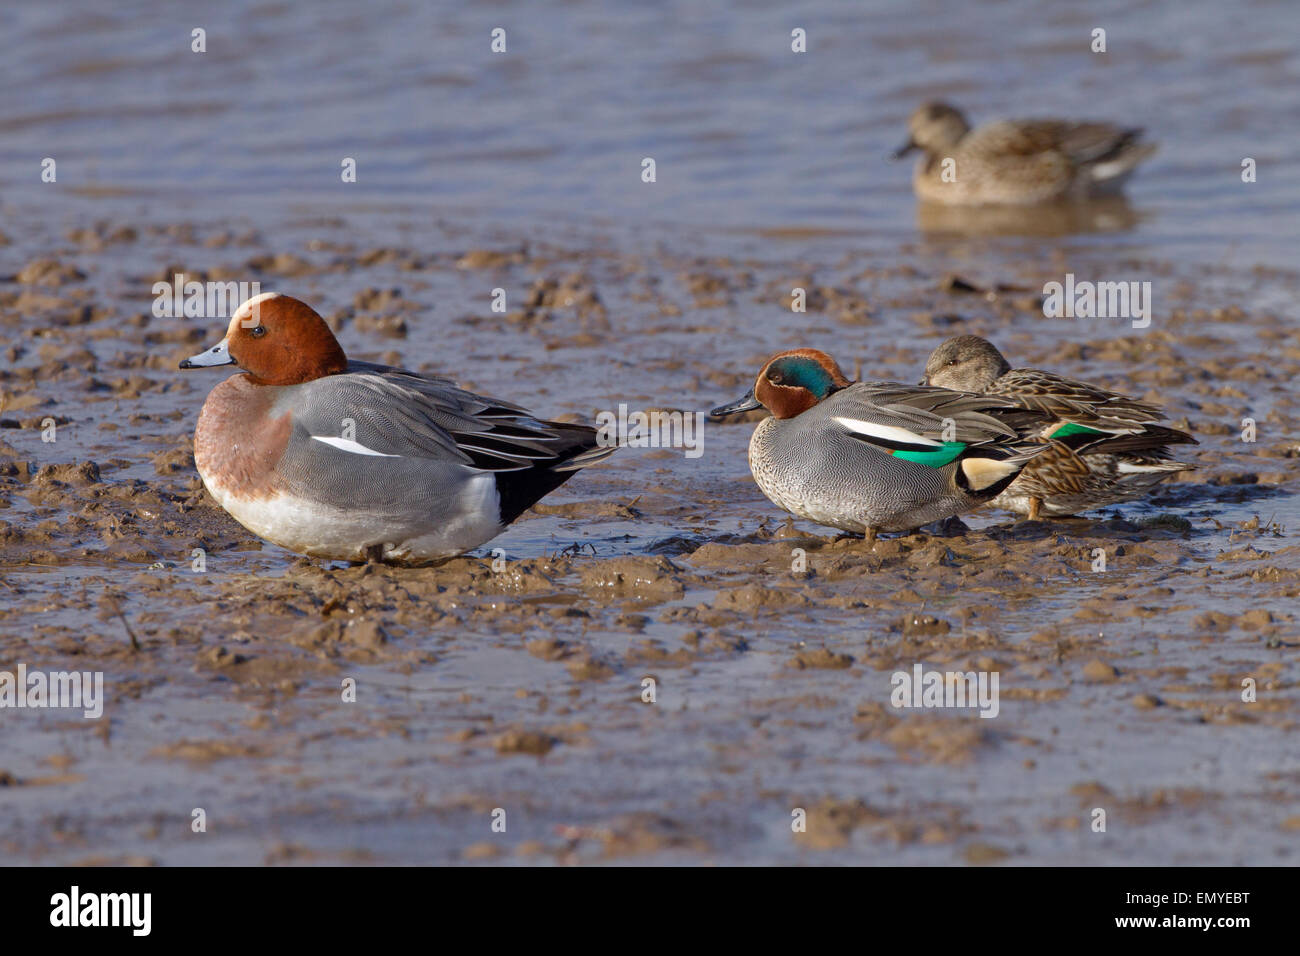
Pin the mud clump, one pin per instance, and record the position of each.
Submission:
(587, 666)
(640, 834)
(936, 739)
(339, 636)
(820, 658)
(1099, 672)
(758, 598)
(285, 264)
(923, 625)
(532, 742)
(546, 297)
(550, 648)
(220, 657)
(830, 824)
(49, 272)
(650, 579)
(489, 259)
(77, 475)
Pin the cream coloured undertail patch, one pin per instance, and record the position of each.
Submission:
(982, 473)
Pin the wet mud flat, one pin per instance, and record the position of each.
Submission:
(515, 682)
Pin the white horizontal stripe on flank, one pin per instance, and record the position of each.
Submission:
(1136, 468)
(345, 444)
(887, 432)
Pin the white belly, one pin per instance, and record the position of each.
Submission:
(307, 527)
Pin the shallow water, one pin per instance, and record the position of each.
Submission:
(770, 175)
(744, 132)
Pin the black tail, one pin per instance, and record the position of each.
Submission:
(575, 449)
(1151, 440)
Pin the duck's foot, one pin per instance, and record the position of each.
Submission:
(867, 536)
(1035, 506)
(375, 554)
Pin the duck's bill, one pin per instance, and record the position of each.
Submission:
(903, 150)
(746, 404)
(219, 354)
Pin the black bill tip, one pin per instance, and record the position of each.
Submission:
(745, 404)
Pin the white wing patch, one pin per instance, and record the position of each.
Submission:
(355, 448)
(1139, 468)
(887, 432)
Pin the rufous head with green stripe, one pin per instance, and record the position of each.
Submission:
(791, 383)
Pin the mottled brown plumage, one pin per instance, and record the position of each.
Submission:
(1106, 447)
(1018, 162)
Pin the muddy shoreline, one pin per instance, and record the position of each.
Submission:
(521, 688)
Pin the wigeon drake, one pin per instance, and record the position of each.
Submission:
(354, 461)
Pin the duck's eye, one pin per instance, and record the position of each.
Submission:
(952, 362)
(257, 331)
(776, 378)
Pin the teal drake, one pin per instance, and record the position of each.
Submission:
(866, 457)
(1018, 162)
(1103, 447)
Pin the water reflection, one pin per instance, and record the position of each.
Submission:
(1110, 214)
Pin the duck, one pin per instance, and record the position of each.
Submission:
(867, 457)
(1104, 448)
(353, 461)
(1018, 162)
